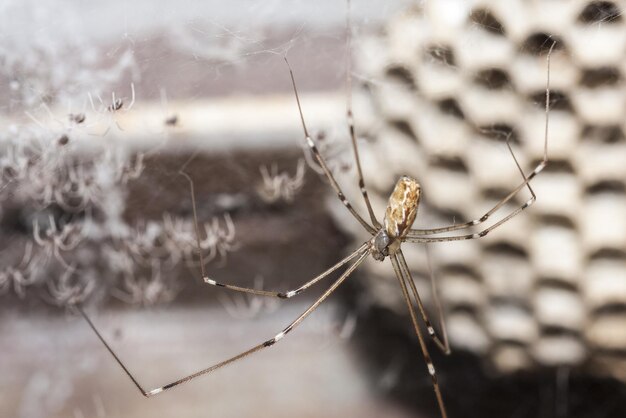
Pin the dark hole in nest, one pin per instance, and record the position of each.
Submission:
(605, 134)
(451, 163)
(603, 76)
(500, 132)
(496, 194)
(540, 43)
(451, 107)
(606, 187)
(458, 269)
(452, 215)
(487, 21)
(559, 331)
(403, 127)
(557, 166)
(510, 301)
(616, 254)
(610, 309)
(504, 343)
(441, 54)
(557, 220)
(465, 308)
(559, 283)
(505, 249)
(402, 75)
(493, 79)
(558, 100)
(600, 12)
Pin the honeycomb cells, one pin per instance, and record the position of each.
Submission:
(549, 288)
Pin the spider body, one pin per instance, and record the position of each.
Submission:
(77, 118)
(116, 105)
(172, 120)
(399, 217)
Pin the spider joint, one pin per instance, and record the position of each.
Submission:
(152, 392)
(431, 369)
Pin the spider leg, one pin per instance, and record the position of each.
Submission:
(419, 235)
(34, 119)
(350, 118)
(195, 219)
(132, 96)
(322, 163)
(281, 295)
(485, 231)
(291, 293)
(442, 342)
(57, 255)
(258, 347)
(429, 363)
(418, 239)
(93, 106)
(542, 164)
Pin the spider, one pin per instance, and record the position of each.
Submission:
(76, 118)
(280, 186)
(386, 239)
(117, 105)
(73, 122)
(57, 239)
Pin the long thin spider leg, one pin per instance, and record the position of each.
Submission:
(57, 255)
(321, 161)
(350, 118)
(485, 231)
(435, 293)
(290, 293)
(526, 183)
(281, 295)
(132, 96)
(418, 239)
(195, 221)
(108, 347)
(542, 164)
(420, 337)
(259, 347)
(442, 343)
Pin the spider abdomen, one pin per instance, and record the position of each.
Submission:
(402, 207)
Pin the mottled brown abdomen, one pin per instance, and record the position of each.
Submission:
(402, 207)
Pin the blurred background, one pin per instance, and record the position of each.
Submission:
(106, 107)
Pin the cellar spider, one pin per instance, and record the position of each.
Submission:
(117, 105)
(385, 242)
(75, 121)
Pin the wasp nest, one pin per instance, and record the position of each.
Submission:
(445, 86)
